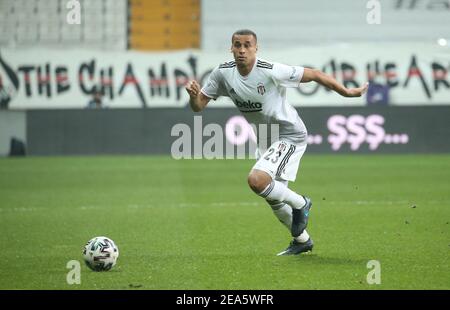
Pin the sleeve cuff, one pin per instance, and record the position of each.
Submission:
(207, 95)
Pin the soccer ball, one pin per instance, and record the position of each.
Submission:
(100, 253)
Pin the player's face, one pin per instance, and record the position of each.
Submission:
(244, 49)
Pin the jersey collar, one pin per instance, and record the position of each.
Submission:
(253, 68)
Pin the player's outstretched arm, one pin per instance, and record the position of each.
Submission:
(197, 99)
(329, 82)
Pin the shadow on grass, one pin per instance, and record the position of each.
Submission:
(317, 259)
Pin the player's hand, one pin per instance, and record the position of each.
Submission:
(193, 88)
(358, 91)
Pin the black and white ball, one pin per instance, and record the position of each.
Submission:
(100, 253)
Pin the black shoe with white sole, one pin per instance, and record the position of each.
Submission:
(296, 247)
(300, 218)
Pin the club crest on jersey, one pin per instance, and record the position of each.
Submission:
(281, 148)
(261, 89)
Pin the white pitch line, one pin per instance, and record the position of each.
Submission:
(234, 203)
(385, 202)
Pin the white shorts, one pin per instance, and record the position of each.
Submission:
(281, 160)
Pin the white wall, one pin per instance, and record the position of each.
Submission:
(290, 23)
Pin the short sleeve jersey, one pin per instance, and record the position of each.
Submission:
(261, 95)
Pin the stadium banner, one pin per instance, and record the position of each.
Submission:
(223, 133)
(409, 74)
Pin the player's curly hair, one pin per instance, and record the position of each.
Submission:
(244, 32)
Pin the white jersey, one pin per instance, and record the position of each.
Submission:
(261, 95)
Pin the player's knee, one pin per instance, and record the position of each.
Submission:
(258, 182)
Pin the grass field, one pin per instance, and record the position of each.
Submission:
(194, 224)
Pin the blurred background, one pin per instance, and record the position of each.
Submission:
(107, 76)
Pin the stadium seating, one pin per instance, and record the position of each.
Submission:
(153, 24)
(164, 24)
(180, 24)
(25, 23)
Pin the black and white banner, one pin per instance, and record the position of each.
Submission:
(49, 78)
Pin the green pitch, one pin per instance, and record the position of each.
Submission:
(194, 224)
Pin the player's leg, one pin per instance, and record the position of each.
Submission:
(281, 162)
(300, 244)
(288, 172)
(265, 186)
(282, 210)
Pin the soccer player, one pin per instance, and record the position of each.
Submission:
(258, 89)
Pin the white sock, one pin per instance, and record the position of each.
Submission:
(282, 211)
(279, 192)
(303, 237)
